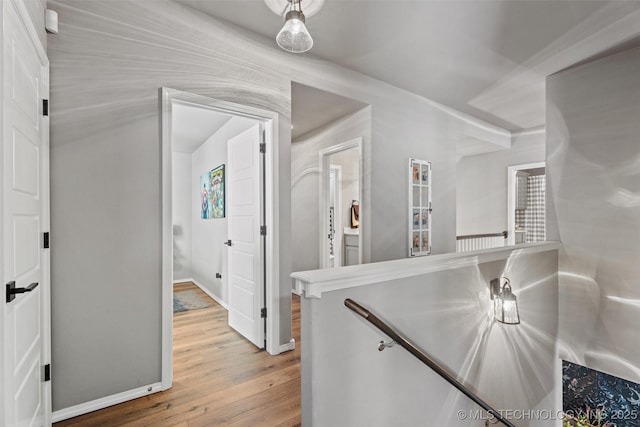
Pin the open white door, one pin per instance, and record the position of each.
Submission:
(244, 219)
(24, 217)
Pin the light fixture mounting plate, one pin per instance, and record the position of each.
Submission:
(280, 7)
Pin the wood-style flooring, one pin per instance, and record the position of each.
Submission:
(220, 379)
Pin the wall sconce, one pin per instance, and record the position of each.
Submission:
(505, 303)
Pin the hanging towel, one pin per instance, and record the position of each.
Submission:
(355, 214)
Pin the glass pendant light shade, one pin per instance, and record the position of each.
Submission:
(506, 306)
(294, 37)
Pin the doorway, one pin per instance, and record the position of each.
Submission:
(526, 203)
(252, 154)
(340, 232)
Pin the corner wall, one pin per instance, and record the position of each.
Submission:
(593, 207)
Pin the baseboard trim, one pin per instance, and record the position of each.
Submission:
(175, 282)
(296, 291)
(211, 294)
(104, 402)
(290, 346)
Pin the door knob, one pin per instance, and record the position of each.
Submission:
(12, 290)
(228, 243)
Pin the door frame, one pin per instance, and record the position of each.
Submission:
(45, 281)
(511, 197)
(338, 227)
(324, 160)
(167, 97)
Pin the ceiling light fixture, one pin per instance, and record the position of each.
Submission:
(294, 36)
(505, 303)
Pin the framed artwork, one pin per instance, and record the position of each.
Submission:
(212, 194)
(205, 192)
(419, 207)
(216, 177)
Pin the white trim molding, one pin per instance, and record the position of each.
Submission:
(290, 346)
(105, 402)
(536, 130)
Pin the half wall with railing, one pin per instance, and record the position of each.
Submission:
(443, 305)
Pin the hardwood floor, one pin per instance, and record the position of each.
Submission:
(219, 379)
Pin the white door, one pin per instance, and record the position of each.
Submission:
(24, 217)
(244, 218)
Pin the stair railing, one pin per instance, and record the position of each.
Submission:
(422, 356)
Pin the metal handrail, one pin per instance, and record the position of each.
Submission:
(504, 234)
(423, 357)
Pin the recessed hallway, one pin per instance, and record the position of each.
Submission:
(219, 379)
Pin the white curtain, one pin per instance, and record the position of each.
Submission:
(534, 214)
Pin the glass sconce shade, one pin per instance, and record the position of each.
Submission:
(294, 37)
(505, 303)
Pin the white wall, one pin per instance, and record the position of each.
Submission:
(305, 184)
(107, 63)
(182, 194)
(593, 206)
(346, 381)
(481, 184)
(209, 254)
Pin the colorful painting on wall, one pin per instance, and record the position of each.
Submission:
(205, 191)
(217, 192)
(212, 194)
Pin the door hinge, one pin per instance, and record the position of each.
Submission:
(47, 372)
(45, 107)
(263, 148)
(45, 240)
(263, 230)
(263, 313)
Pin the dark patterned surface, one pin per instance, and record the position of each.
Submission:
(616, 400)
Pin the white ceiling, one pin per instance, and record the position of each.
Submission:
(487, 58)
